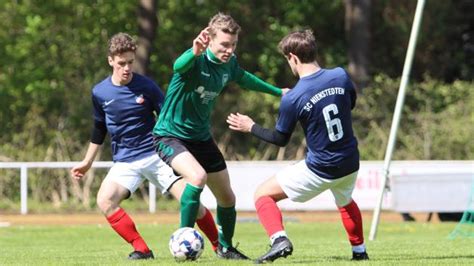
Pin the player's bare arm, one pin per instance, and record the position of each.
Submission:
(201, 42)
(78, 171)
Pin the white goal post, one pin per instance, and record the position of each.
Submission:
(396, 115)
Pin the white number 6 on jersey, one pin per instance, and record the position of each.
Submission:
(334, 125)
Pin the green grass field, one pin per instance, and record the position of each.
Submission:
(314, 243)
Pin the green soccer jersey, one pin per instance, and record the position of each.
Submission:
(193, 90)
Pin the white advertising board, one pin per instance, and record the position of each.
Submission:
(415, 177)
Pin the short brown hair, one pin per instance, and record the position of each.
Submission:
(224, 23)
(121, 43)
(300, 43)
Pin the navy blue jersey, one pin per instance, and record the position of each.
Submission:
(322, 103)
(128, 114)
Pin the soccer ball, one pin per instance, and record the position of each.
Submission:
(186, 244)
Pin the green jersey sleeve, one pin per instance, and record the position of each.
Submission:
(184, 62)
(252, 82)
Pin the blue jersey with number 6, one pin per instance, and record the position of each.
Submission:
(322, 103)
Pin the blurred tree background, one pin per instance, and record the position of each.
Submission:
(54, 51)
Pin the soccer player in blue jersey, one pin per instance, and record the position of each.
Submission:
(183, 128)
(321, 101)
(124, 105)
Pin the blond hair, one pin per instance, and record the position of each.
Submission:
(224, 23)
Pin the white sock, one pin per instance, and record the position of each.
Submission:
(359, 248)
(277, 235)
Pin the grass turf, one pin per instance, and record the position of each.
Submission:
(314, 244)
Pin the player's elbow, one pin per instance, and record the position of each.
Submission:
(283, 143)
(280, 139)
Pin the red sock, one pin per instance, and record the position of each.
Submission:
(269, 215)
(208, 226)
(125, 227)
(352, 221)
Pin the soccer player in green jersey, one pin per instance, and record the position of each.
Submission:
(183, 136)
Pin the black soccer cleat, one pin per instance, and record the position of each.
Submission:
(137, 255)
(230, 253)
(281, 247)
(360, 256)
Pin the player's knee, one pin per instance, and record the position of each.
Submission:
(225, 197)
(227, 200)
(198, 178)
(259, 192)
(256, 196)
(106, 206)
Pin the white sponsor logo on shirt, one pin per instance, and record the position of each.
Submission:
(206, 96)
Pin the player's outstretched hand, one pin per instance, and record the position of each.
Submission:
(78, 171)
(201, 42)
(240, 122)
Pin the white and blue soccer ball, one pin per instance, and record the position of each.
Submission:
(186, 244)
